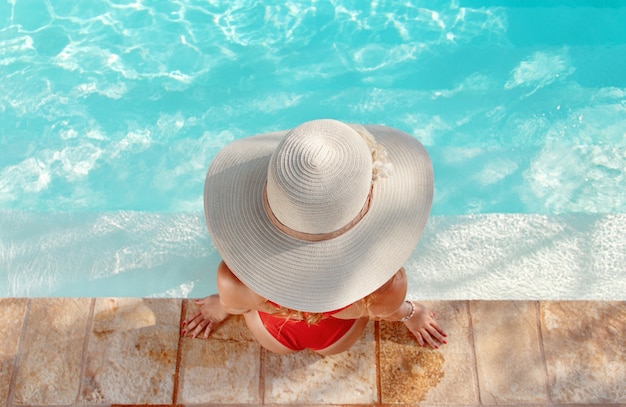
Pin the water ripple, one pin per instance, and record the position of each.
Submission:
(116, 104)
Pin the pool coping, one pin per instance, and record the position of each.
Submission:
(128, 351)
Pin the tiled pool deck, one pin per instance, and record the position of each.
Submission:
(122, 351)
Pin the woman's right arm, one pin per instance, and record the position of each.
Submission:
(233, 298)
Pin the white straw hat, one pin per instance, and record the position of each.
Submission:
(317, 217)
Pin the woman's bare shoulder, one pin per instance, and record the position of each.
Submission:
(382, 302)
(234, 293)
(388, 298)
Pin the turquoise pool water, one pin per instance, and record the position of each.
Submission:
(110, 112)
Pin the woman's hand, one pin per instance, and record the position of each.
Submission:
(206, 318)
(423, 325)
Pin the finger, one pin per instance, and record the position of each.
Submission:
(429, 339)
(439, 329)
(207, 331)
(202, 301)
(434, 332)
(190, 326)
(419, 338)
(192, 322)
(201, 326)
(191, 317)
(436, 329)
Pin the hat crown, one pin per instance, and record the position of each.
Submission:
(319, 177)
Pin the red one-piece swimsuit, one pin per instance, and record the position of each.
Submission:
(299, 335)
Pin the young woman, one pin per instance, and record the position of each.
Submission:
(314, 225)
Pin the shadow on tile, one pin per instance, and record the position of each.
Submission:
(51, 352)
(508, 351)
(131, 356)
(585, 352)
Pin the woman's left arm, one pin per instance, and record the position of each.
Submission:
(388, 303)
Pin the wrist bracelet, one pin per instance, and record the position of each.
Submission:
(410, 314)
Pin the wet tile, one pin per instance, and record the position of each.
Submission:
(12, 312)
(131, 357)
(508, 354)
(585, 352)
(307, 378)
(49, 370)
(412, 374)
(222, 369)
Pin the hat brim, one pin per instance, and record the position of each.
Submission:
(316, 276)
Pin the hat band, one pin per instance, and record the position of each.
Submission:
(315, 237)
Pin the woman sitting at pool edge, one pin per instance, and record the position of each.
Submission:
(314, 226)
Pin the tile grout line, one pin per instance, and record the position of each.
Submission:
(379, 390)
(83, 357)
(470, 327)
(262, 353)
(179, 353)
(18, 356)
(542, 350)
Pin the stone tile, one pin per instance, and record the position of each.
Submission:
(411, 374)
(585, 351)
(131, 357)
(50, 363)
(222, 369)
(307, 378)
(12, 312)
(508, 353)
